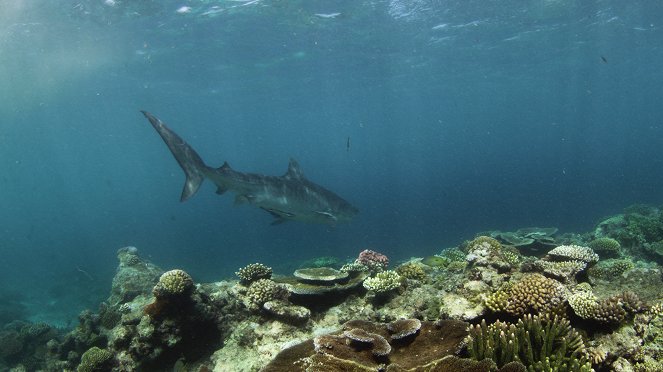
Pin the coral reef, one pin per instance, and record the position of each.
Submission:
(252, 272)
(533, 294)
(374, 261)
(365, 346)
(96, 360)
(412, 271)
(610, 269)
(320, 274)
(367, 318)
(530, 240)
(574, 253)
(173, 283)
(606, 247)
(264, 290)
(383, 282)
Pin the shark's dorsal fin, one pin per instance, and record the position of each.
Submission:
(225, 167)
(294, 171)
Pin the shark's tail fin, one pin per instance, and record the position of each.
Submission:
(191, 163)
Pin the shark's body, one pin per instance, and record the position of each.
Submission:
(287, 197)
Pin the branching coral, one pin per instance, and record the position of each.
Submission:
(540, 343)
(574, 253)
(383, 282)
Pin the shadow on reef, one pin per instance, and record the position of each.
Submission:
(529, 300)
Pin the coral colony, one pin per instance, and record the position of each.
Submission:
(525, 300)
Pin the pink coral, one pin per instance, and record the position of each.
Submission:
(373, 260)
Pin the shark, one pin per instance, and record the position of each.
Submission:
(290, 197)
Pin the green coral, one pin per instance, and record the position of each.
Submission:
(412, 271)
(383, 282)
(607, 247)
(541, 343)
(533, 294)
(96, 360)
(174, 283)
(643, 225)
(252, 272)
(611, 268)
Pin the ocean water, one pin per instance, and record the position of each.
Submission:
(463, 116)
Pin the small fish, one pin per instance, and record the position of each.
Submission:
(605, 60)
(347, 144)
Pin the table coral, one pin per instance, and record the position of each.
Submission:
(574, 252)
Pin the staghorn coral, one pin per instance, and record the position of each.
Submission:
(252, 272)
(533, 294)
(574, 253)
(412, 271)
(383, 282)
(96, 360)
(541, 343)
(173, 283)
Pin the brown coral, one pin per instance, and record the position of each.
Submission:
(533, 294)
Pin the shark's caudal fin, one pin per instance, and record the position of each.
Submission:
(191, 163)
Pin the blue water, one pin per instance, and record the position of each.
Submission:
(463, 116)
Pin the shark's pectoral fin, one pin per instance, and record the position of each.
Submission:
(327, 215)
(280, 216)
